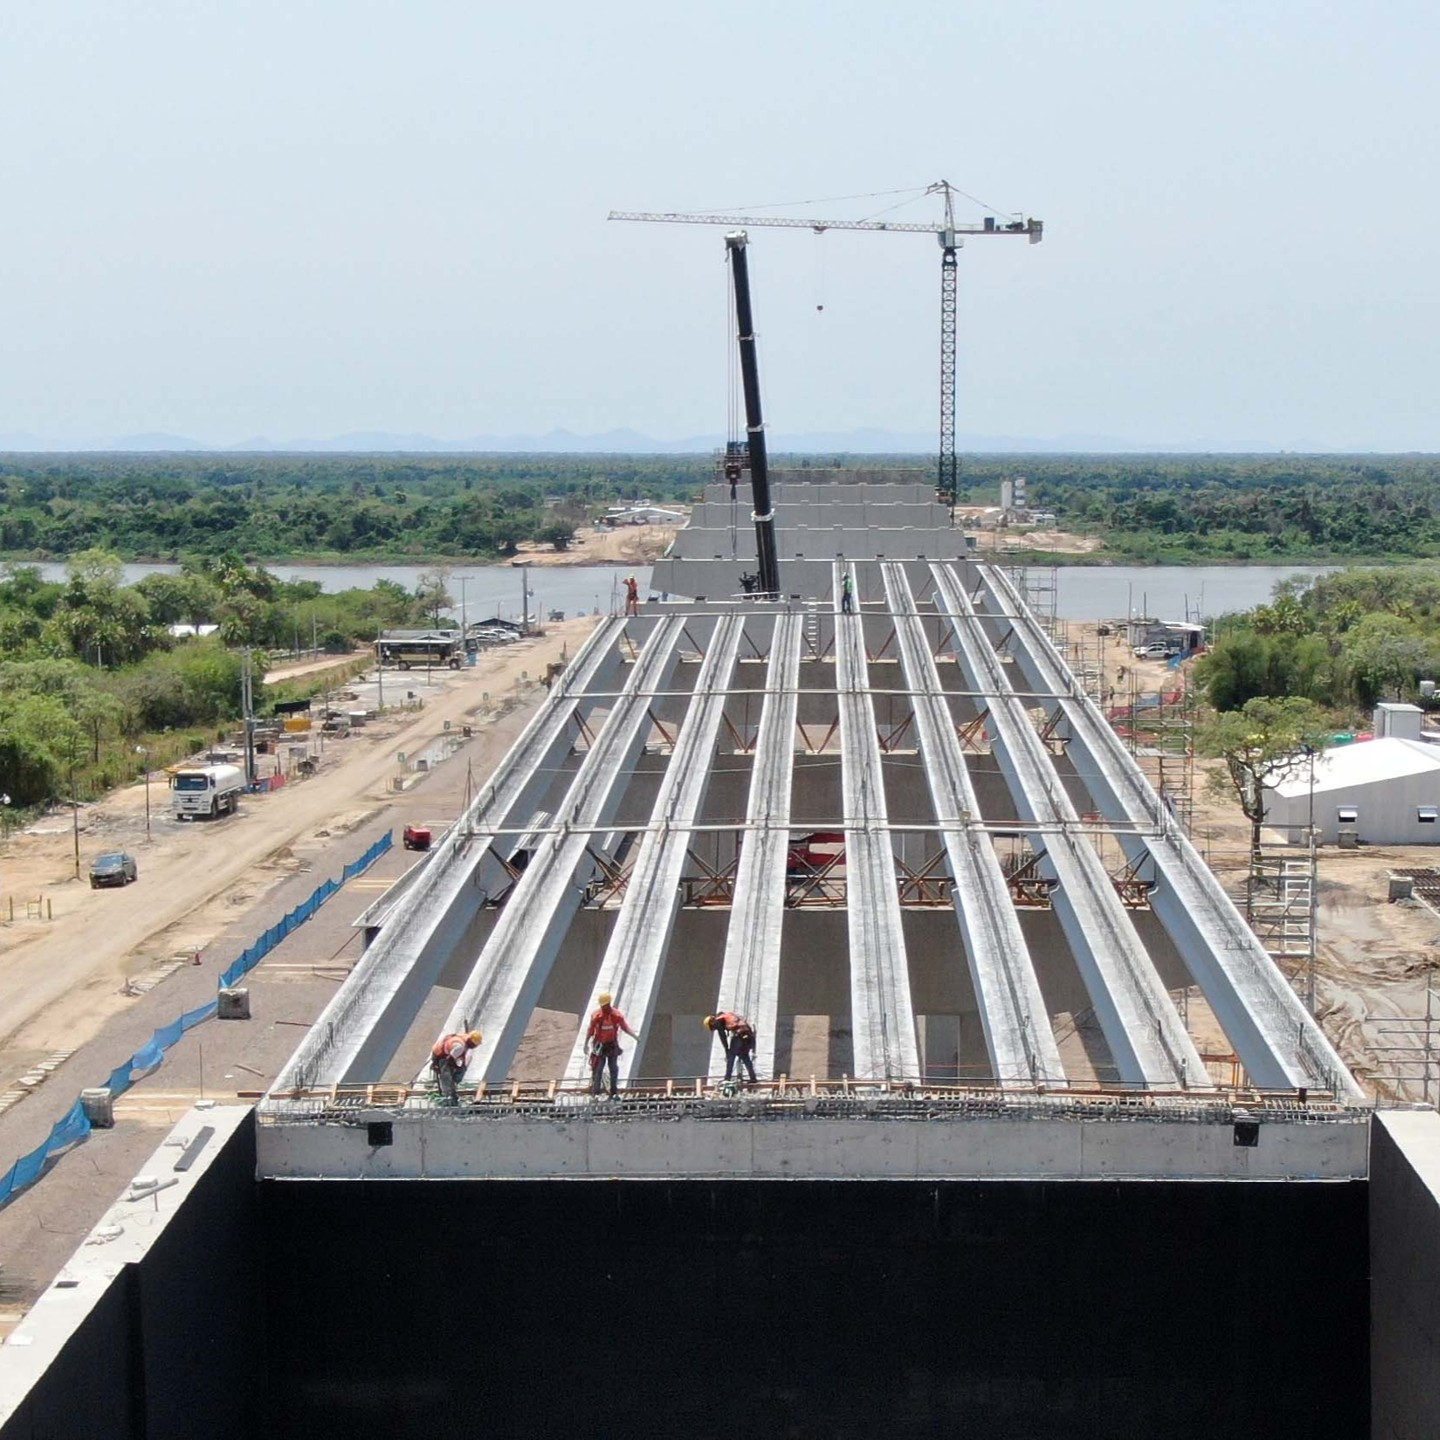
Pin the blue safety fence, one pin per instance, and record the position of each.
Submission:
(73, 1126)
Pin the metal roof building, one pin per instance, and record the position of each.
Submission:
(1385, 792)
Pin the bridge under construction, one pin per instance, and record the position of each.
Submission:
(900, 839)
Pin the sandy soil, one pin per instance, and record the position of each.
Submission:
(603, 545)
(68, 954)
(1058, 542)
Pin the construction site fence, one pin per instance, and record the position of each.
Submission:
(74, 1125)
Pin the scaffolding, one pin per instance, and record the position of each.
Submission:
(1039, 587)
(1410, 1046)
(1280, 902)
(1158, 728)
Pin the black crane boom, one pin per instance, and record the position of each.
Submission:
(764, 512)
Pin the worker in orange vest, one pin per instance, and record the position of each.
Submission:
(737, 1040)
(604, 1037)
(632, 596)
(449, 1057)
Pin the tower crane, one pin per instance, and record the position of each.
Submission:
(950, 235)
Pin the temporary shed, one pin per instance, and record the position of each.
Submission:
(1386, 791)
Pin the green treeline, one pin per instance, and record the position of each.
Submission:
(1343, 641)
(1157, 508)
(1188, 508)
(284, 507)
(89, 668)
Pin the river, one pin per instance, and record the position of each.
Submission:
(1082, 592)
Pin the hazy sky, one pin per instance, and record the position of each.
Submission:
(293, 219)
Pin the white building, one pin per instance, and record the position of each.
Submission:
(1387, 791)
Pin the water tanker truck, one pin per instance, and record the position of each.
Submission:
(206, 790)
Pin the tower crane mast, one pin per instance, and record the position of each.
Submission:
(950, 235)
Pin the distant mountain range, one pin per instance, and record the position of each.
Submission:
(623, 442)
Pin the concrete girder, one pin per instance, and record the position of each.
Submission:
(1018, 1036)
(369, 1016)
(634, 958)
(509, 974)
(750, 975)
(1277, 1040)
(881, 1011)
(1147, 1041)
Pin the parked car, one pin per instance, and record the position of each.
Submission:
(116, 868)
(1156, 651)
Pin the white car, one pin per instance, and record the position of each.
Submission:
(1156, 651)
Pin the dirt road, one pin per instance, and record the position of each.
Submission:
(61, 978)
(605, 545)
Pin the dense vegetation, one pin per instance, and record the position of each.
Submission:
(1186, 508)
(1180, 508)
(279, 507)
(89, 669)
(1343, 641)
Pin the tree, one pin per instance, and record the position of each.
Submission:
(556, 533)
(1259, 742)
(1235, 671)
(1385, 655)
(433, 593)
(98, 619)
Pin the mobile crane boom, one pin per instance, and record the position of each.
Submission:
(764, 513)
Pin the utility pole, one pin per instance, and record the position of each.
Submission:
(74, 811)
(524, 599)
(247, 701)
(145, 763)
(464, 628)
(380, 666)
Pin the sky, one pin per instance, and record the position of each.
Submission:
(232, 219)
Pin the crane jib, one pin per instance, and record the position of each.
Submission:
(950, 236)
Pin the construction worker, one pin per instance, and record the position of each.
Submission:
(448, 1058)
(604, 1036)
(737, 1040)
(847, 595)
(632, 596)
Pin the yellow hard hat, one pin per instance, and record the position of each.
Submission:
(606, 997)
(709, 1022)
(474, 1037)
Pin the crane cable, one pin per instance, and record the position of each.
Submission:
(823, 200)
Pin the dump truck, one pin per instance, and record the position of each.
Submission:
(206, 790)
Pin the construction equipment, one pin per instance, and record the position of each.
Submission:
(768, 581)
(950, 235)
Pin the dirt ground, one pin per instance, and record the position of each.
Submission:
(1376, 958)
(605, 545)
(1057, 542)
(70, 957)
(1004, 542)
